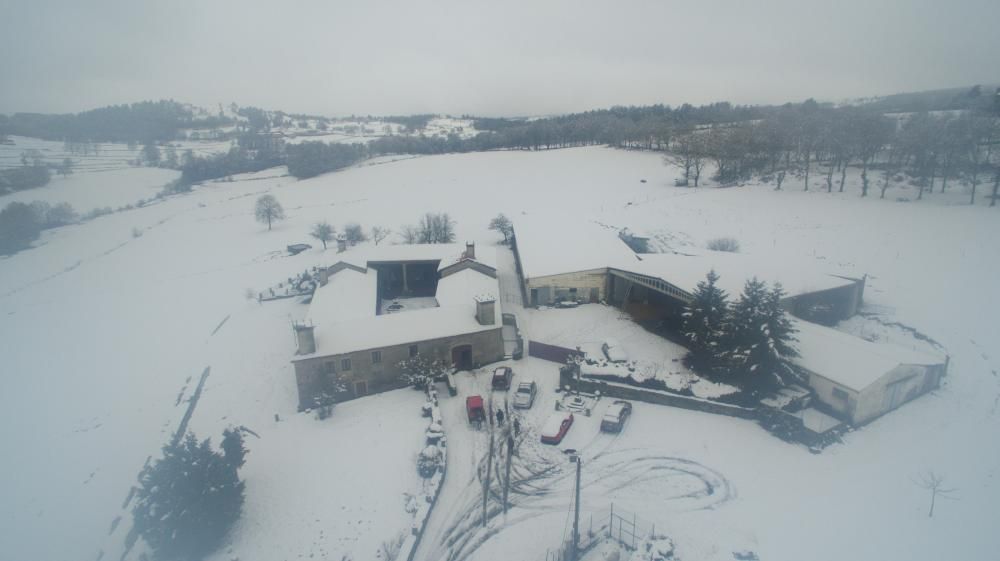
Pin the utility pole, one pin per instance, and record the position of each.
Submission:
(510, 454)
(489, 473)
(576, 512)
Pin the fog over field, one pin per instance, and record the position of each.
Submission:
(494, 59)
(467, 281)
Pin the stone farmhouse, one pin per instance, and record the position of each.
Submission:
(377, 307)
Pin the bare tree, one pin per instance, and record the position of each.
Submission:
(503, 225)
(409, 234)
(934, 483)
(268, 210)
(809, 135)
(379, 233)
(436, 228)
(354, 234)
(872, 134)
(323, 232)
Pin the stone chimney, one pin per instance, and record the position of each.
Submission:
(486, 310)
(323, 276)
(305, 338)
(470, 250)
(341, 244)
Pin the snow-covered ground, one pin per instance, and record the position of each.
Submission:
(109, 188)
(106, 334)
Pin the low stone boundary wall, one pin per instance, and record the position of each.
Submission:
(552, 353)
(626, 391)
(431, 492)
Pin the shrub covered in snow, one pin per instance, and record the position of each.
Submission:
(731, 245)
(429, 460)
(654, 548)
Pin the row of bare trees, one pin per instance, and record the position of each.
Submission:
(819, 143)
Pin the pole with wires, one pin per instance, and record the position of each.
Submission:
(575, 549)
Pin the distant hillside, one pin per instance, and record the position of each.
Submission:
(967, 97)
(138, 122)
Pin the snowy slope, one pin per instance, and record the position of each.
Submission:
(106, 334)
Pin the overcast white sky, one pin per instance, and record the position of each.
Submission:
(505, 57)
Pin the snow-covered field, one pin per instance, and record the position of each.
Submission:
(106, 334)
(109, 188)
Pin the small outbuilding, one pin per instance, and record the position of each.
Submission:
(860, 380)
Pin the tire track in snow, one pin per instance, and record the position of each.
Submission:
(542, 487)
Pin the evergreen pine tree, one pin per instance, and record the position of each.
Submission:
(705, 321)
(761, 336)
(233, 449)
(189, 499)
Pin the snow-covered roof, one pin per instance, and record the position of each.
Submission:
(554, 244)
(848, 360)
(446, 253)
(797, 276)
(344, 310)
(348, 295)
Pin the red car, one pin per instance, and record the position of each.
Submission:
(556, 427)
(474, 409)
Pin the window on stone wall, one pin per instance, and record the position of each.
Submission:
(345, 364)
(839, 394)
(376, 357)
(414, 350)
(329, 367)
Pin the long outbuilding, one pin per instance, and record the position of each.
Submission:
(856, 380)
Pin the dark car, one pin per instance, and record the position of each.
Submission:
(616, 415)
(501, 378)
(556, 427)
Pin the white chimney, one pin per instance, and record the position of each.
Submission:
(486, 310)
(470, 250)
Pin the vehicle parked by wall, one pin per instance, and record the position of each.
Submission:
(524, 396)
(614, 418)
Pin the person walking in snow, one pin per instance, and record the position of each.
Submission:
(517, 427)
(500, 417)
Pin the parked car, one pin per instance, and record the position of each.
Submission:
(613, 350)
(616, 415)
(525, 394)
(502, 376)
(567, 304)
(474, 409)
(556, 427)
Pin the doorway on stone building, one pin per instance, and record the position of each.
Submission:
(461, 357)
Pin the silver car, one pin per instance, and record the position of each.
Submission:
(524, 396)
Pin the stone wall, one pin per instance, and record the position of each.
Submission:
(366, 376)
(625, 391)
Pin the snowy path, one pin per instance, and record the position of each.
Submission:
(510, 285)
(461, 482)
